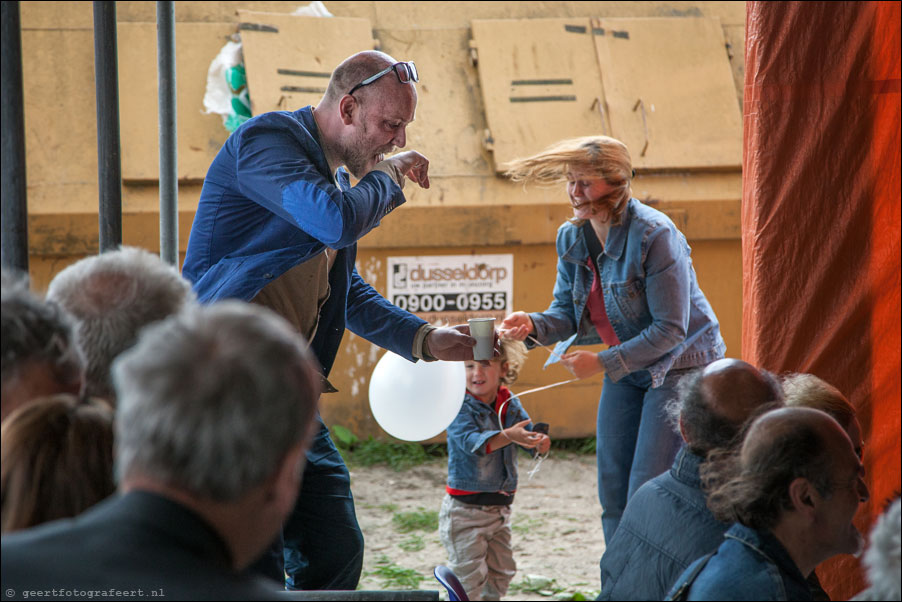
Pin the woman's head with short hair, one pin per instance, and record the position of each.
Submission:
(57, 460)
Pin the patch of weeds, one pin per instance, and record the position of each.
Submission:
(585, 446)
(388, 507)
(418, 520)
(370, 452)
(523, 524)
(549, 587)
(394, 576)
(537, 585)
(343, 437)
(414, 543)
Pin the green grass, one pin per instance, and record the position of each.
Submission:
(414, 543)
(551, 589)
(526, 586)
(397, 455)
(418, 520)
(581, 447)
(394, 576)
(523, 524)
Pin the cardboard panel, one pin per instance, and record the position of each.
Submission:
(540, 83)
(449, 124)
(289, 59)
(669, 91)
(199, 136)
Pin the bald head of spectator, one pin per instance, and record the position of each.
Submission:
(39, 354)
(797, 476)
(716, 401)
(809, 391)
(111, 297)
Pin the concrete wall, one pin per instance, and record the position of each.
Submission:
(60, 119)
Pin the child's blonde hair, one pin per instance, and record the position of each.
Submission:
(514, 353)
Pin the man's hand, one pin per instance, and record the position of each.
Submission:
(409, 164)
(517, 326)
(583, 364)
(453, 344)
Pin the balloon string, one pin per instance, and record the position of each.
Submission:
(536, 390)
(538, 458)
(547, 348)
(500, 424)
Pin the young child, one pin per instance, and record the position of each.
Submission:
(474, 522)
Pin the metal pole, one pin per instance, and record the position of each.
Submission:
(14, 247)
(169, 186)
(109, 163)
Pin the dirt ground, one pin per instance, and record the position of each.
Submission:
(556, 527)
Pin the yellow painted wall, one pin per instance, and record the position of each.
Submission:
(60, 117)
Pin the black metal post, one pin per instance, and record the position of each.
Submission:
(109, 162)
(14, 247)
(169, 186)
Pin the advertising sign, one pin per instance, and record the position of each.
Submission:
(452, 288)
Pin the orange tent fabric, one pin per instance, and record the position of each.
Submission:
(821, 218)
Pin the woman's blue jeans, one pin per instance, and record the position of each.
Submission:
(635, 440)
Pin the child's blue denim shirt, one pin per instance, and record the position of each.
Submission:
(651, 296)
(469, 467)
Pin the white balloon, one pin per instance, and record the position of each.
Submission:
(416, 401)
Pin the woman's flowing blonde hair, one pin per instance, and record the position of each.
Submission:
(601, 156)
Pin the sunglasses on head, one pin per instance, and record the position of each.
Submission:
(406, 72)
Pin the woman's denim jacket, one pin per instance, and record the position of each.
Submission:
(469, 467)
(651, 296)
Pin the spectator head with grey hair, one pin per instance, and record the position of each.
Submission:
(666, 524)
(883, 559)
(39, 353)
(792, 494)
(216, 406)
(111, 297)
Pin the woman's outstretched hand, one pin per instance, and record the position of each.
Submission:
(517, 326)
(583, 364)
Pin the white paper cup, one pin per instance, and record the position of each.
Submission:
(483, 330)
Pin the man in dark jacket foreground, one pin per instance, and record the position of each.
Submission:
(214, 417)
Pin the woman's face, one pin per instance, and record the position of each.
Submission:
(589, 195)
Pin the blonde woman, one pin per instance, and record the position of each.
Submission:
(624, 278)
